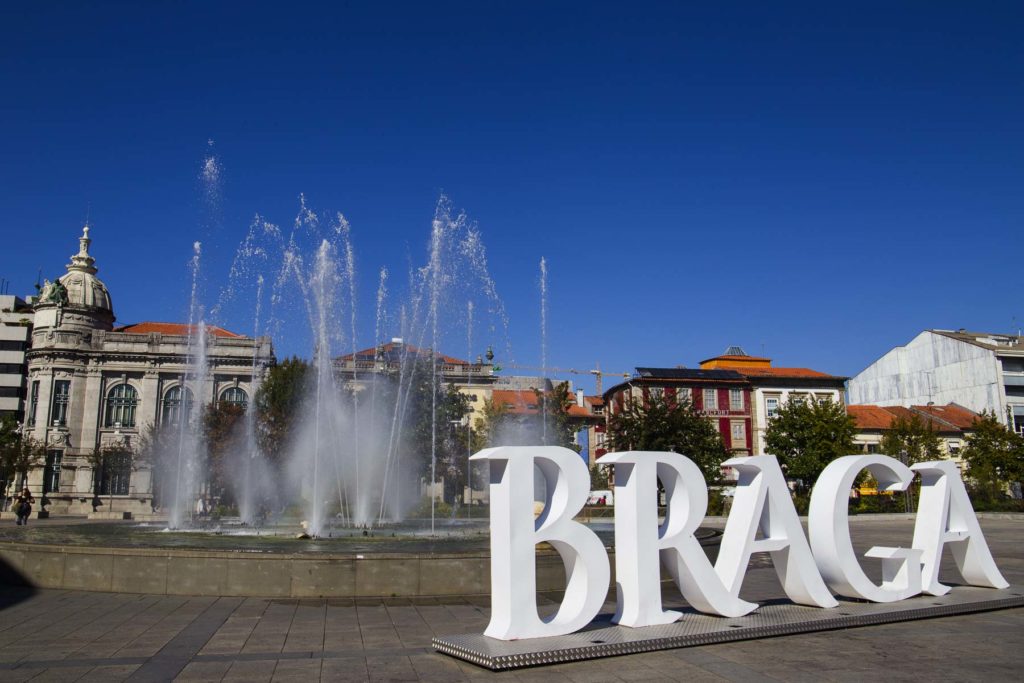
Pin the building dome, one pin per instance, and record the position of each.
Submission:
(81, 285)
(78, 300)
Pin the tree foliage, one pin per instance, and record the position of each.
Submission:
(661, 425)
(222, 433)
(994, 455)
(807, 435)
(277, 404)
(913, 436)
(19, 452)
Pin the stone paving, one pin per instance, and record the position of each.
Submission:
(78, 636)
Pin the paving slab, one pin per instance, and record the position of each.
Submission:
(50, 634)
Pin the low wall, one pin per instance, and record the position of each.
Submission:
(216, 573)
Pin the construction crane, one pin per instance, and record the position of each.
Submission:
(596, 372)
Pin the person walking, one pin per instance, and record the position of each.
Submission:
(23, 506)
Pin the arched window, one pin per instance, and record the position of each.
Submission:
(175, 406)
(121, 403)
(235, 396)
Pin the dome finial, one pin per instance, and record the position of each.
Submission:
(82, 260)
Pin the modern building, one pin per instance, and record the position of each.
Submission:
(771, 386)
(951, 423)
(723, 396)
(15, 333)
(92, 387)
(981, 371)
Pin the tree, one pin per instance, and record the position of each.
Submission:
(433, 413)
(598, 477)
(807, 435)
(660, 425)
(994, 456)
(914, 437)
(277, 403)
(554, 426)
(19, 453)
(112, 466)
(491, 417)
(221, 433)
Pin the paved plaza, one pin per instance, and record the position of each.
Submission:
(79, 636)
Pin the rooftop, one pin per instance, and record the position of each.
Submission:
(987, 340)
(394, 351)
(948, 418)
(180, 329)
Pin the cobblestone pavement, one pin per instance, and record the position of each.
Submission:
(51, 635)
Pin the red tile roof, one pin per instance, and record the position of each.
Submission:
(952, 414)
(526, 402)
(518, 402)
(947, 418)
(180, 329)
(782, 372)
(870, 417)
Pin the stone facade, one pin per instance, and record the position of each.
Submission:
(92, 387)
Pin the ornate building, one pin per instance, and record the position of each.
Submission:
(91, 387)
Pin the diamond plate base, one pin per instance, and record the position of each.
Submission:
(778, 618)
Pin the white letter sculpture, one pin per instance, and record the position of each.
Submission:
(830, 532)
(638, 540)
(763, 501)
(515, 533)
(945, 515)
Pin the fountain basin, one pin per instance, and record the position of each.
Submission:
(341, 567)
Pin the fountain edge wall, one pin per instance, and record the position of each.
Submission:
(271, 575)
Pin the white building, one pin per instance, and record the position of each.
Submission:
(978, 370)
(771, 387)
(91, 387)
(15, 331)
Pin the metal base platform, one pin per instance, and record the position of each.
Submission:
(779, 618)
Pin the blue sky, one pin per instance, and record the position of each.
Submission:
(818, 183)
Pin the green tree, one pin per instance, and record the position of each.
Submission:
(598, 477)
(221, 433)
(19, 453)
(434, 413)
(277, 404)
(554, 424)
(806, 436)
(994, 455)
(912, 436)
(660, 425)
(491, 417)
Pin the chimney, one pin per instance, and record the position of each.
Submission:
(579, 397)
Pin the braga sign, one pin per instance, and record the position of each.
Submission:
(812, 570)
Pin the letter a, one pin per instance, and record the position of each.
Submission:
(515, 534)
(762, 501)
(638, 540)
(945, 515)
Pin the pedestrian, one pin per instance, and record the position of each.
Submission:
(200, 507)
(23, 506)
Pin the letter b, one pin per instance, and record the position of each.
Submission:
(515, 534)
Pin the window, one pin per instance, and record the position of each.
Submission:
(51, 471)
(657, 393)
(683, 394)
(33, 404)
(739, 434)
(174, 406)
(7, 345)
(710, 399)
(735, 399)
(235, 396)
(771, 406)
(822, 399)
(61, 396)
(121, 403)
(114, 474)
